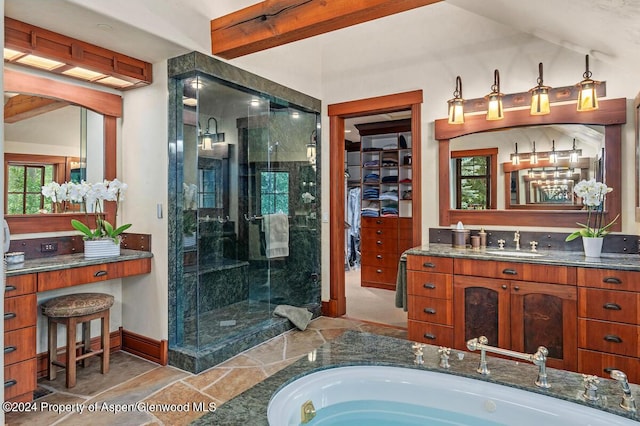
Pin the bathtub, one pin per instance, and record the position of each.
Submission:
(381, 395)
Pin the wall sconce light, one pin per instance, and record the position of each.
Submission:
(540, 96)
(587, 97)
(456, 105)
(515, 157)
(533, 157)
(311, 148)
(494, 99)
(208, 139)
(553, 156)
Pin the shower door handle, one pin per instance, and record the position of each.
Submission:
(314, 276)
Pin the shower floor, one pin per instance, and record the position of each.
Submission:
(229, 322)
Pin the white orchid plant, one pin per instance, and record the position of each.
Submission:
(91, 196)
(593, 195)
(307, 198)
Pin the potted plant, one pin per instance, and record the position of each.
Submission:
(189, 227)
(104, 240)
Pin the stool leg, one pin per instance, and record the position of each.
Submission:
(53, 348)
(86, 342)
(104, 321)
(71, 352)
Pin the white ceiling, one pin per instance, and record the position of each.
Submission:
(154, 30)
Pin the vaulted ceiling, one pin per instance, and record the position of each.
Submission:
(609, 30)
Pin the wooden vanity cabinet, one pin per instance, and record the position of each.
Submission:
(20, 314)
(429, 298)
(609, 322)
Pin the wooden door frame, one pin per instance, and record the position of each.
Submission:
(337, 304)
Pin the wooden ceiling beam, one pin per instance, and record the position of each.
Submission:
(21, 107)
(273, 23)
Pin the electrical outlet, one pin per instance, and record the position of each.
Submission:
(48, 247)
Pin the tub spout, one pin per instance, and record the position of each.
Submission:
(307, 412)
(628, 402)
(539, 358)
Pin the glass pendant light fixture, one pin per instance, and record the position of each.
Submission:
(574, 154)
(540, 96)
(515, 157)
(456, 105)
(208, 139)
(494, 99)
(587, 97)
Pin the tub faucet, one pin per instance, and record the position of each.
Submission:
(628, 402)
(539, 358)
(516, 238)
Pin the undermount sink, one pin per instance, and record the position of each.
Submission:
(510, 253)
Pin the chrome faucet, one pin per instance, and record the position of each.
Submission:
(539, 358)
(590, 383)
(516, 238)
(628, 402)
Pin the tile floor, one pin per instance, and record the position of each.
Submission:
(134, 383)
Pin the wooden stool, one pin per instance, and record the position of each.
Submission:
(72, 310)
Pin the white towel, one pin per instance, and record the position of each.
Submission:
(276, 235)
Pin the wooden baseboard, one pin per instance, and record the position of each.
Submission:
(383, 286)
(145, 347)
(115, 343)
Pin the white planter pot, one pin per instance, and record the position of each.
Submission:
(101, 248)
(592, 246)
(189, 240)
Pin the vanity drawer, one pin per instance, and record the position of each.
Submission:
(18, 285)
(605, 336)
(379, 243)
(430, 309)
(20, 312)
(19, 345)
(380, 259)
(433, 334)
(609, 279)
(429, 284)
(609, 305)
(601, 364)
(51, 280)
(19, 378)
(430, 264)
(515, 271)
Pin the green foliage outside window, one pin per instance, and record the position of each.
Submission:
(274, 192)
(473, 183)
(24, 186)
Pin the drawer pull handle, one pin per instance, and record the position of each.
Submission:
(9, 315)
(10, 383)
(378, 256)
(379, 242)
(9, 349)
(509, 271)
(428, 265)
(612, 280)
(429, 336)
(378, 222)
(430, 286)
(379, 271)
(379, 231)
(504, 286)
(430, 311)
(613, 338)
(100, 274)
(612, 306)
(9, 288)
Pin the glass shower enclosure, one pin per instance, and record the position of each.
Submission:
(244, 195)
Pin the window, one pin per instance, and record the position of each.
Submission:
(475, 172)
(24, 188)
(208, 188)
(274, 192)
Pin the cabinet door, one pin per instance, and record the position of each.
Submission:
(481, 308)
(545, 315)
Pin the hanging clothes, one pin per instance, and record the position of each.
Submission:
(353, 219)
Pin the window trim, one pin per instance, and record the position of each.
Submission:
(492, 153)
(274, 193)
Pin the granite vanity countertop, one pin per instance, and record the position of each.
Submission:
(620, 261)
(358, 348)
(66, 261)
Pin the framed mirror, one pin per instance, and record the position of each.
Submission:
(636, 115)
(607, 120)
(105, 105)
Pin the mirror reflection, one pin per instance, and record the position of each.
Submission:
(48, 140)
(539, 166)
